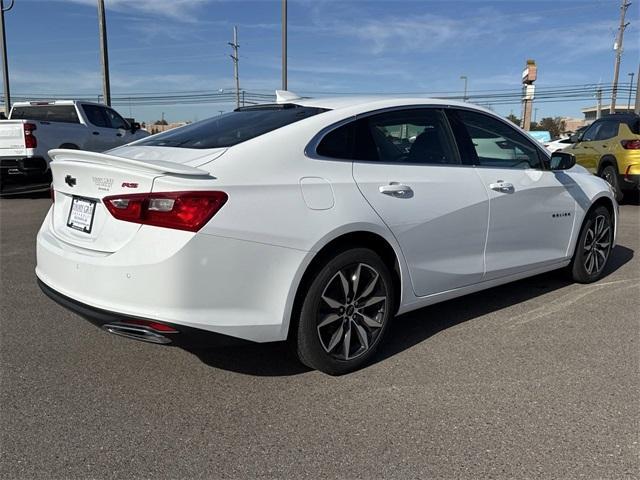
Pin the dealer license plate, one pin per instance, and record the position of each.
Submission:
(81, 214)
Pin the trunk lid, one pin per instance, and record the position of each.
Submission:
(12, 139)
(82, 179)
(184, 156)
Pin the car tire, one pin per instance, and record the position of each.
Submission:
(346, 312)
(594, 246)
(610, 174)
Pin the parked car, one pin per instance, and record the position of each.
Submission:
(558, 144)
(610, 148)
(309, 221)
(541, 135)
(34, 128)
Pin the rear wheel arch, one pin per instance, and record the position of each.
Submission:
(346, 241)
(605, 161)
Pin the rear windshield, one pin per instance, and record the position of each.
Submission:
(46, 113)
(232, 128)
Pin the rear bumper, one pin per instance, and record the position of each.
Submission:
(629, 182)
(203, 282)
(18, 175)
(185, 337)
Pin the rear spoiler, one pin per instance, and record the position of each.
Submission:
(157, 166)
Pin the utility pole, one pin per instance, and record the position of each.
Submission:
(630, 89)
(464, 97)
(535, 115)
(104, 55)
(234, 57)
(284, 44)
(599, 104)
(637, 106)
(5, 64)
(618, 48)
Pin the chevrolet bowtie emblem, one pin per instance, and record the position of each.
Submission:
(69, 180)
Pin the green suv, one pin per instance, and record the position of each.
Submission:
(610, 148)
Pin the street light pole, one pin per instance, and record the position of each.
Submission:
(104, 55)
(5, 64)
(464, 77)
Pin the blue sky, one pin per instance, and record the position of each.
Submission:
(334, 46)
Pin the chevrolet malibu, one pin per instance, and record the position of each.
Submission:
(314, 221)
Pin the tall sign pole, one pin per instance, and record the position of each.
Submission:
(618, 48)
(5, 64)
(104, 55)
(284, 44)
(529, 76)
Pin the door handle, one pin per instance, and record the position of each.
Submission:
(118, 134)
(604, 146)
(96, 133)
(397, 190)
(502, 187)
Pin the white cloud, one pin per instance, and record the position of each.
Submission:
(182, 10)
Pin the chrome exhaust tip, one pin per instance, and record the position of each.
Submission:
(136, 332)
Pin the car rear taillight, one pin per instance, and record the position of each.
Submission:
(30, 140)
(630, 144)
(179, 210)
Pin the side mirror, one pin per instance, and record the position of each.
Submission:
(562, 161)
(135, 126)
(575, 137)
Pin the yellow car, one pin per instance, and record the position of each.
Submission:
(610, 148)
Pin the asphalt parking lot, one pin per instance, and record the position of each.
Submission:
(537, 379)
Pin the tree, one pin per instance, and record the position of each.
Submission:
(513, 119)
(555, 126)
(161, 122)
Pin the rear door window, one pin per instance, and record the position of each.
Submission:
(608, 129)
(419, 135)
(46, 113)
(233, 128)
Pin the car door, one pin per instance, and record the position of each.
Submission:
(102, 134)
(604, 141)
(585, 150)
(121, 128)
(531, 208)
(408, 168)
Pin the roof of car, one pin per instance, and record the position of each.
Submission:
(44, 102)
(620, 116)
(374, 101)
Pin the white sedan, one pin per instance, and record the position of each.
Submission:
(558, 144)
(314, 221)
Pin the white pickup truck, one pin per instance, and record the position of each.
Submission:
(34, 128)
